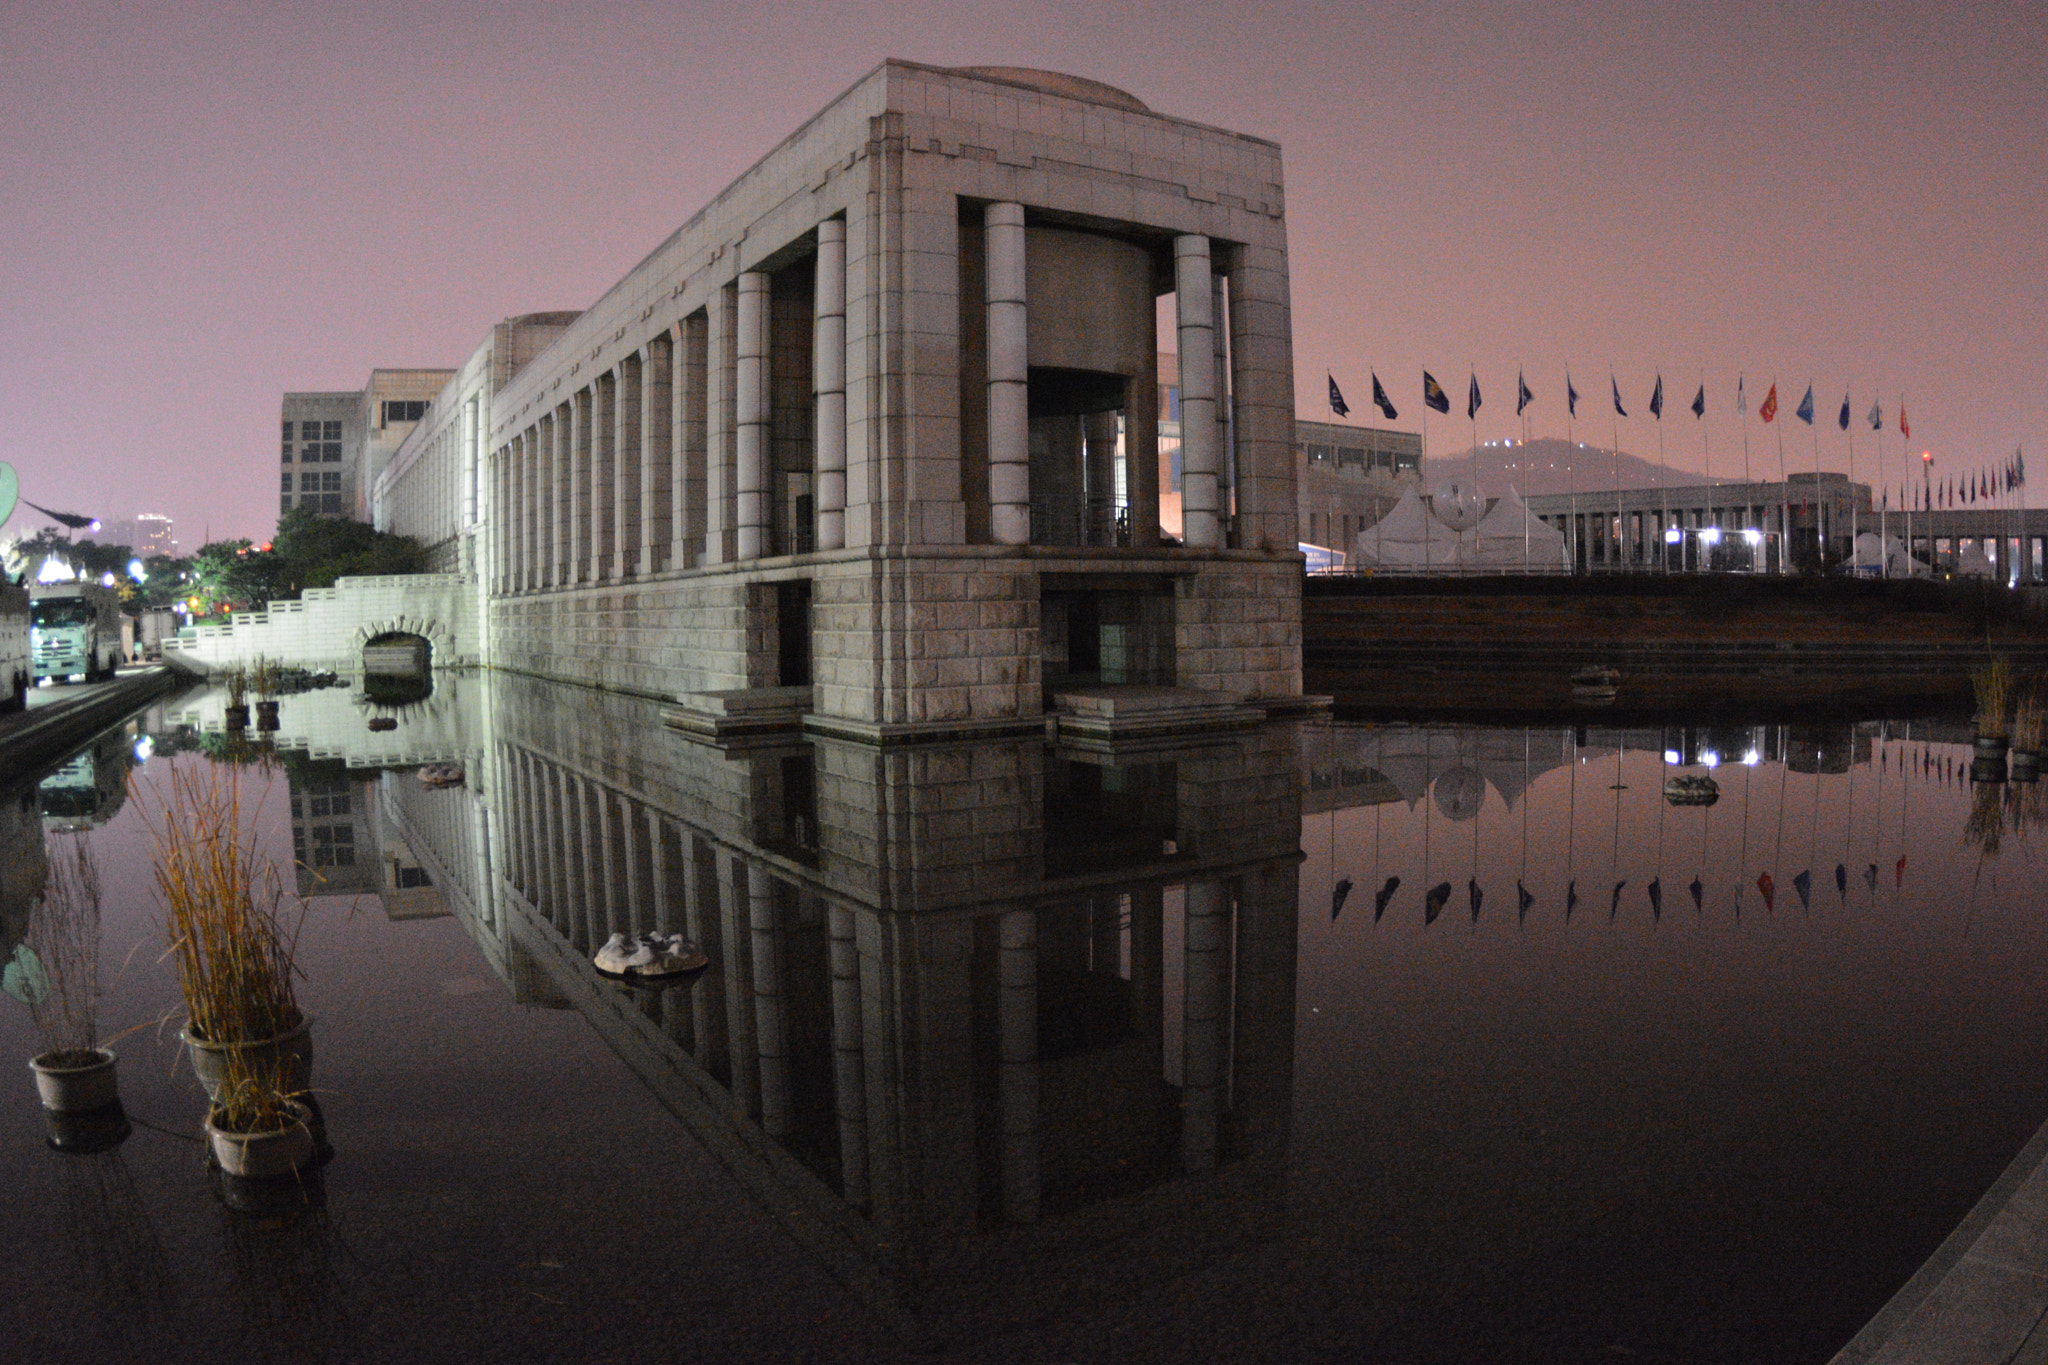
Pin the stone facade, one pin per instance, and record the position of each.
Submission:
(882, 420)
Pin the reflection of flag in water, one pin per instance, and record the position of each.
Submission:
(1870, 879)
(1803, 884)
(1433, 903)
(1841, 881)
(1571, 899)
(1386, 893)
(1899, 873)
(1614, 906)
(1472, 890)
(1523, 900)
(1657, 899)
(1769, 888)
(1699, 892)
(1342, 889)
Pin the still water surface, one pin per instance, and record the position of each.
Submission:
(1012, 1053)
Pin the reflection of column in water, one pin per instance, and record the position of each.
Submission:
(1017, 1027)
(769, 1041)
(849, 1089)
(696, 870)
(1202, 1010)
(736, 936)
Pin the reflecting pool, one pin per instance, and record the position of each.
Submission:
(1310, 1041)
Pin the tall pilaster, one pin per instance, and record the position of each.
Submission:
(626, 502)
(828, 383)
(1194, 305)
(849, 1087)
(1009, 377)
(750, 361)
(1206, 951)
(1017, 1031)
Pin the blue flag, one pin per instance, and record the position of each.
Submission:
(1619, 410)
(1804, 412)
(1571, 395)
(1657, 399)
(1523, 398)
(1699, 402)
(1842, 420)
(1337, 403)
(1472, 398)
(1433, 395)
(1379, 397)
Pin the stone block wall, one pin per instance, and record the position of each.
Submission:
(326, 628)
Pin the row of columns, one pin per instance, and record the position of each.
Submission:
(1200, 310)
(626, 476)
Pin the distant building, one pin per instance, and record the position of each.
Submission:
(148, 533)
(335, 444)
(1346, 477)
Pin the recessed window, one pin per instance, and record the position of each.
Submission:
(403, 410)
(287, 485)
(284, 504)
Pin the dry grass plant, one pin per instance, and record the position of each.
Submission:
(232, 929)
(263, 678)
(2029, 719)
(65, 937)
(1985, 829)
(255, 1095)
(1993, 685)
(235, 679)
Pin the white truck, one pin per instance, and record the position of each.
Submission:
(75, 630)
(14, 645)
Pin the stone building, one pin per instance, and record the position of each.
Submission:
(874, 436)
(1348, 477)
(335, 444)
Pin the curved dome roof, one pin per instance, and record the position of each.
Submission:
(1057, 83)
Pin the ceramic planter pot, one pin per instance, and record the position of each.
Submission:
(1991, 746)
(97, 1130)
(263, 1155)
(235, 717)
(2026, 766)
(71, 1087)
(1988, 769)
(266, 715)
(294, 1050)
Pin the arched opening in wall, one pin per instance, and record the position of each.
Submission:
(398, 668)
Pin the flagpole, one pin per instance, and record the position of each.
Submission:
(1748, 479)
(1784, 491)
(1855, 508)
(1571, 468)
(1663, 486)
(1614, 428)
(1707, 475)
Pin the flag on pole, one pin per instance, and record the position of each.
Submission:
(1699, 402)
(1433, 394)
(1472, 399)
(1337, 403)
(1804, 412)
(1768, 409)
(1619, 410)
(1905, 427)
(1842, 419)
(1657, 399)
(2019, 468)
(1571, 395)
(1741, 403)
(1875, 416)
(1380, 399)
(1523, 398)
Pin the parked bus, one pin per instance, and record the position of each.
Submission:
(75, 631)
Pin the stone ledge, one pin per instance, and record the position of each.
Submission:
(740, 711)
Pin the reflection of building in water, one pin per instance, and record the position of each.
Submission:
(331, 828)
(90, 787)
(952, 989)
(24, 865)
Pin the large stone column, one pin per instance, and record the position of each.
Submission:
(828, 383)
(750, 359)
(629, 460)
(770, 1025)
(1262, 398)
(657, 433)
(604, 442)
(1017, 1031)
(1194, 308)
(1226, 444)
(1201, 1040)
(1009, 378)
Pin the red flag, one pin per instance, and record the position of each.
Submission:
(1905, 427)
(1768, 409)
(1769, 888)
(1899, 873)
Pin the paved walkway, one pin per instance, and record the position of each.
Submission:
(1983, 1295)
(59, 719)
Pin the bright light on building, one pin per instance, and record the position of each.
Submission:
(1753, 536)
(1711, 759)
(1710, 536)
(1751, 759)
(1673, 535)
(1673, 756)
(55, 570)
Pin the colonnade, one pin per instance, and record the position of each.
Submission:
(439, 488)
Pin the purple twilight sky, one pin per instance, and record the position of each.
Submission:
(203, 205)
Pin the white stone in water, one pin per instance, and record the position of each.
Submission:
(649, 955)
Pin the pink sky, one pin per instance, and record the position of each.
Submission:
(202, 206)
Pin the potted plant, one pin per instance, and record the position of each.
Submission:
(74, 1073)
(1993, 686)
(235, 679)
(263, 679)
(256, 1124)
(2029, 721)
(232, 931)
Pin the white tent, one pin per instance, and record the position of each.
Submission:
(1512, 539)
(1972, 562)
(1407, 537)
(1891, 561)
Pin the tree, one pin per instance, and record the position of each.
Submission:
(313, 551)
